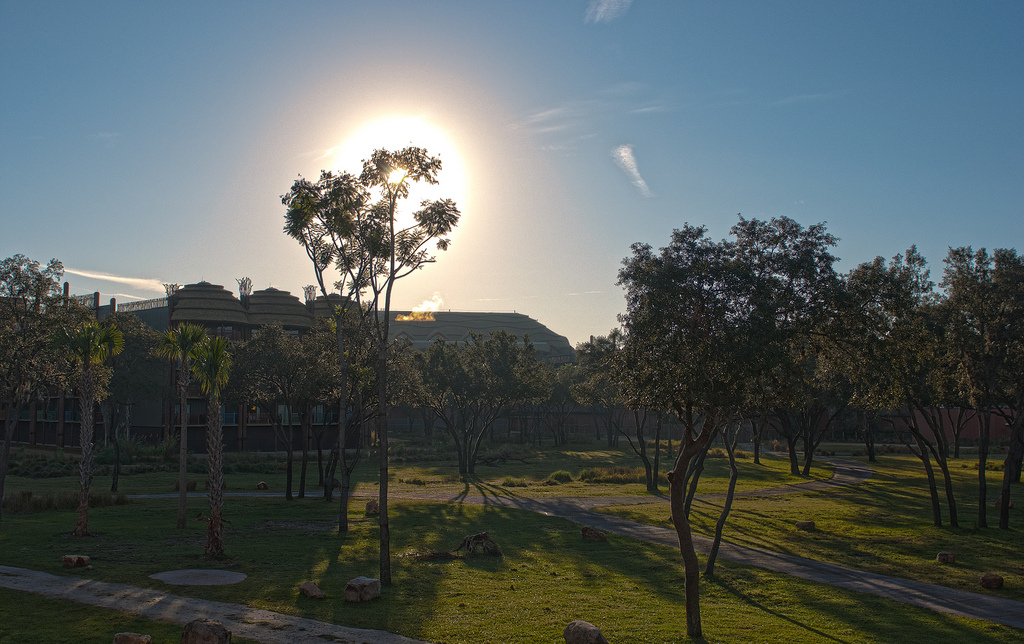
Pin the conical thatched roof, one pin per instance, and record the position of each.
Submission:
(271, 306)
(321, 307)
(205, 302)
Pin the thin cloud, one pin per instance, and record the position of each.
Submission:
(137, 282)
(605, 10)
(624, 158)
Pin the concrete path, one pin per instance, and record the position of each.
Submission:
(251, 623)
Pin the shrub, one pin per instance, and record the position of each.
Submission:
(25, 502)
(511, 482)
(41, 466)
(561, 476)
(619, 474)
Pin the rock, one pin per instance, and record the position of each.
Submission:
(372, 507)
(205, 631)
(580, 632)
(593, 534)
(132, 638)
(992, 582)
(362, 589)
(805, 525)
(946, 557)
(262, 485)
(310, 589)
(74, 561)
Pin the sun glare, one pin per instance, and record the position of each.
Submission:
(397, 133)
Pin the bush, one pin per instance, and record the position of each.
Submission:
(511, 482)
(561, 476)
(25, 502)
(619, 474)
(41, 466)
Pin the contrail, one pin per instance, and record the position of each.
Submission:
(623, 156)
(137, 282)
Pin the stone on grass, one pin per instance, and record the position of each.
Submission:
(74, 561)
(593, 534)
(946, 557)
(372, 507)
(310, 589)
(580, 632)
(362, 589)
(805, 525)
(262, 485)
(132, 638)
(991, 582)
(205, 631)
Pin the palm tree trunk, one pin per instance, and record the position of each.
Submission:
(86, 401)
(215, 481)
(183, 368)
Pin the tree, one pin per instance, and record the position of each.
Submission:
(471, 386)
(560, 403)
(180, 345)
(270, 370)
(87, 347)
(600, 386)
(31, 313)
(349, 223)
(687, 326)
(211, 366)
(136, 374)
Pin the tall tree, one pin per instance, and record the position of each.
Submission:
(31, 312)
(180, 345)
(211, 366)
(687, 320)
(87, 347)
(350, 224)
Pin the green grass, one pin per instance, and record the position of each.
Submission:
(548, 576)
(883, 525)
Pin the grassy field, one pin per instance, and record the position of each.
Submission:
(547, 576)
(883, 525)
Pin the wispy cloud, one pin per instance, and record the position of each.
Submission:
(806, 98)
(624, 158)
(140, 283)
(605, 10)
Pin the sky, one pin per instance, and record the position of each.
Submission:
(145, 143)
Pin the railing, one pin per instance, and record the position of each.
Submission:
(142, 305)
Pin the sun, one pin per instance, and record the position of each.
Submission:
(395, 133)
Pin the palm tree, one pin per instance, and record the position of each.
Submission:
(211, 362)
(180, 344)
(88, 346)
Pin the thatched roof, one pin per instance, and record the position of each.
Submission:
(271, 306)
(205, 302)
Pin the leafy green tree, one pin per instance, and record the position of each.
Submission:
(31, 313)
(348, 224)
(180, 345)
(87, 347)
(271, 371)
(472, 385)
(211, 364)
(688, 332)
(600, 386)
(561, 404)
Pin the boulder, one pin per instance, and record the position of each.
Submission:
(205, 631)
(946, 557)
(372, 507)
(132, 638)
(805, 525)
(262, 485)
(580, 632)
(991, 582)
(74, 561)
(310, 589)
(593, 534)
(362, 589)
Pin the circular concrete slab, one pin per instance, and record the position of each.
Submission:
(199, 577)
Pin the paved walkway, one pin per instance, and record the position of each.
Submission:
(272, 628)
(251, 623)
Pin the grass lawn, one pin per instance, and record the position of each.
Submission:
(883, 525)
(548, 575)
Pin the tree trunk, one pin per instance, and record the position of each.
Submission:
(86, 401)
(730, 448)
(382, 440)
(306, 427)
(183, 447)
(13, 411)
(215, 479)
(983, 442)
(1011, 469)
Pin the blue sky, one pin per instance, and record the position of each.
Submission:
(150, 142)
